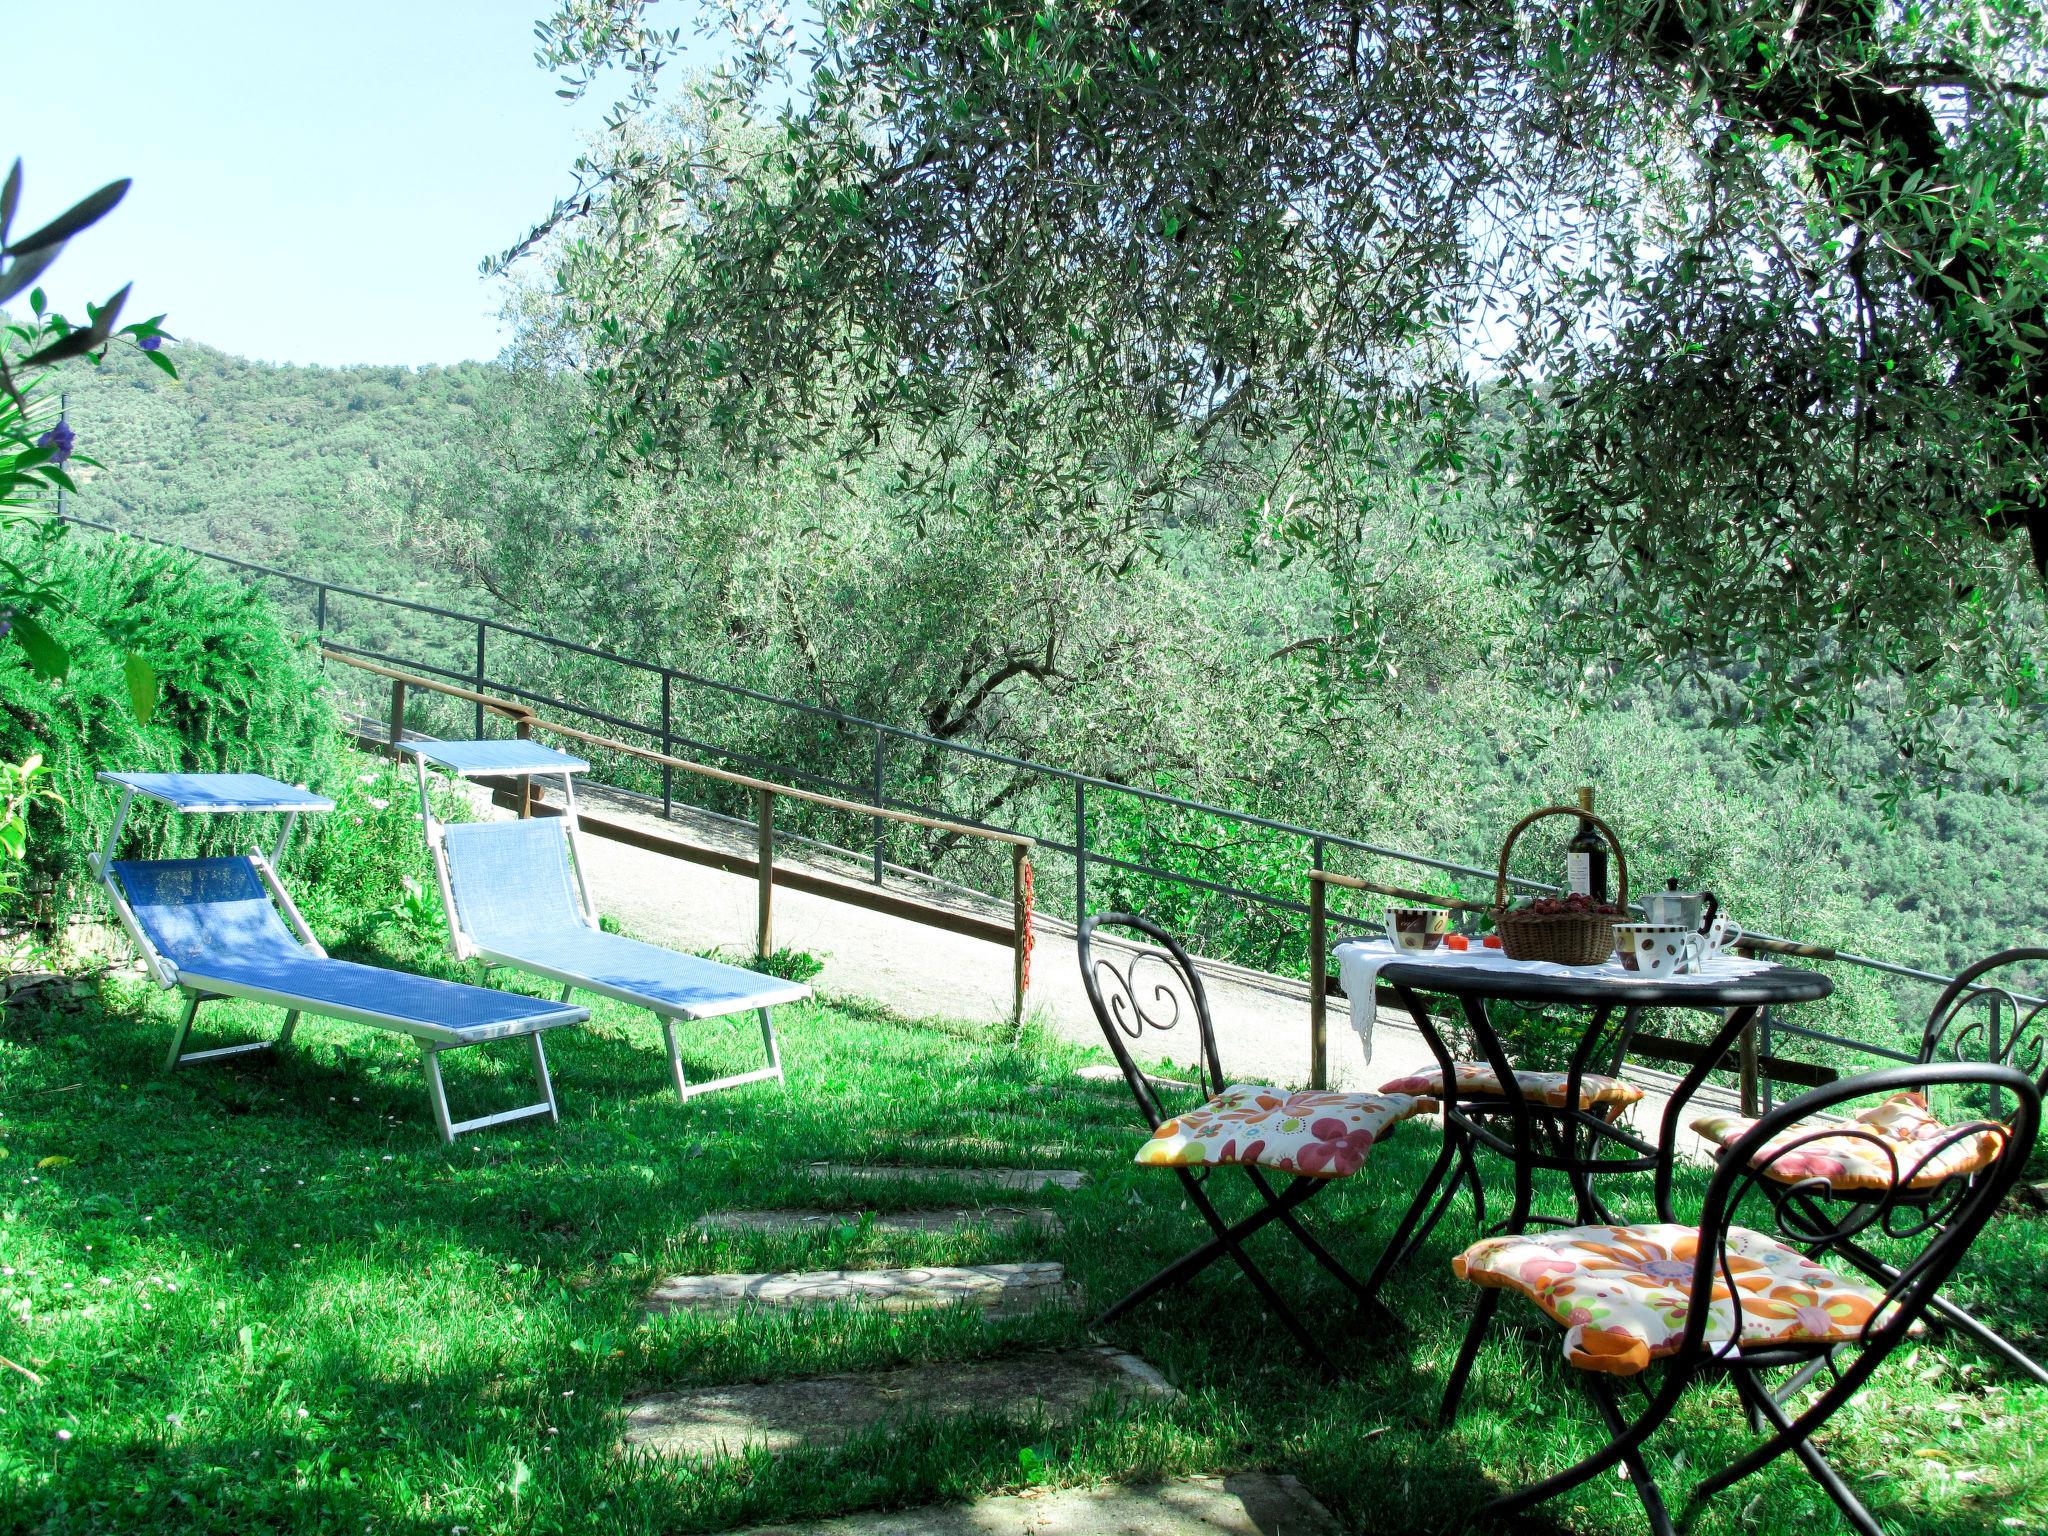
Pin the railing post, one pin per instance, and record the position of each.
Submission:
(1747, 1057)
(1021, 937)
(876, 801)
(479, 677)
(1763, 1037)
(1318, 978)
(668, 744)
(524, 731)
(320, 612)
(397, 715)
(764, 853)
(1080, 849)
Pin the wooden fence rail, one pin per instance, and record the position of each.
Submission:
(1016, 934)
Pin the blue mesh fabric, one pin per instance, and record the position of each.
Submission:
(221, 791)
(515, 896)
(213, 920)
(468, 757)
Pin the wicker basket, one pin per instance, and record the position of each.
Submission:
(1565, 938)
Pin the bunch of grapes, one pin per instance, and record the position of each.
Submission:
(1575, 905)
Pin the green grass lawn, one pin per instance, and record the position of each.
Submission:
(263, 1296)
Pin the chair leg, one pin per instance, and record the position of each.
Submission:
(1475, 1335)
(1951, 1314)
(1399, 1247)
(437, 1095)
(687, 1090)
(1229, 1239)
(1790, 1433)
(1462, 1173)
(291, 1023)
(184, 1029)
(1621, 1449)
(1764, 1404)
(542, 1082)
(1308, 1240)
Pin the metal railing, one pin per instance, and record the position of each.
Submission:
(1067, 811)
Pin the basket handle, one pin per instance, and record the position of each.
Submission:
(1500, 881)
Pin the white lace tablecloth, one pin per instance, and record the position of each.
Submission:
(1359, 962)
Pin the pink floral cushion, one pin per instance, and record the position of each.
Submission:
(1322, 1135)
(1477, 1080)
(1623, 1293)
(1911, 1142)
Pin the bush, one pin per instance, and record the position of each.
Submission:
(238, 693)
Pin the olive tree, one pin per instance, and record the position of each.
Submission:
(1733, 308)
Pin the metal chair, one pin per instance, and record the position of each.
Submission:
(1316, 1138)
(1973, 1021)
(1626, 1293)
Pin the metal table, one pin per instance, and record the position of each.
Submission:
(1578, 1141)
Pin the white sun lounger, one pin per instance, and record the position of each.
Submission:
(212, 927)
(516, 896)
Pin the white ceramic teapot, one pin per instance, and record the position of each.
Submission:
(1695, 911)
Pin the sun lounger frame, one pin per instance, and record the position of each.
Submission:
(200, 988)
(524, 759)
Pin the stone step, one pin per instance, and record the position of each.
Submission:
(1252, 1504)
(1024, 1180)
(819, 1412)
(1003, 1290)
(1105, 1072)
(989, 1218)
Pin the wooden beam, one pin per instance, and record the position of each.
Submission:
(505, 794)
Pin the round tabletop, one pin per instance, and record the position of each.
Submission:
(1777, 984)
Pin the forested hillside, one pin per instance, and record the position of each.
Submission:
(1192, 666)
(316, 469)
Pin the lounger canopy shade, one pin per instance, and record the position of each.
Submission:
(516, 898)
(200, 793)
(472, 758)
(213, 921)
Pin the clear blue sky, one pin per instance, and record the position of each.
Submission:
(315, 180)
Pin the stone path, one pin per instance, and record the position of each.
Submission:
(820, 1412)
(994, 1218)
(1022, 1180)
(1002, 1290)
(1254, 1504)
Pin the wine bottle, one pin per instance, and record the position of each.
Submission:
(1586, 854)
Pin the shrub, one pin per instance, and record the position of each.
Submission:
(238, 693)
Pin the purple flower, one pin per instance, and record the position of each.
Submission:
(58, 440)
(150, 343)
(6, 621)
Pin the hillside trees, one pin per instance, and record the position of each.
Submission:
(1762, 281)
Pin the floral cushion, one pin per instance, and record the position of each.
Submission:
(1477, 1080)
(1623, 1292)
(1322, 1135)
(1851, 1160)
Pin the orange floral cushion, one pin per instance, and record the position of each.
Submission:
(1322, 1135)
(1912, 1143)
(1623, 1293)
(1477, 1080)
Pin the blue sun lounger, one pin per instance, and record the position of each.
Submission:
(212, 927)
(516, 896)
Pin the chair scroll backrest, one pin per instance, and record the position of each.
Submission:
(1777, 1182)
(1993, 1021)
(1141, 984)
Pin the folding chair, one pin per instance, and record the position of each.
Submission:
(516, 896)
(212, 928)
(1317, 1138)
(1628, 1295)
(1996, 1021)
